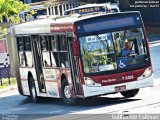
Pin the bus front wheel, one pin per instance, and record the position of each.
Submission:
(66, 94)
(130, 93)
(33, 92)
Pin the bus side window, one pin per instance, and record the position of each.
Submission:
(20, 45)
(63, 55)
(28, 52)
(24, 51)
(54, 52)
(27, 45)
(45, 51)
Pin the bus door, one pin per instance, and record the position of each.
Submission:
(74, 68)
(37, 51)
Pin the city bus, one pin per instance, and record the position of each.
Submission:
(80, 57)
(93, 8)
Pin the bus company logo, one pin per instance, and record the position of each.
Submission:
(109, 80)
(50, 76)
(130, 77)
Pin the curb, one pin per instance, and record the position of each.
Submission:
(8, 88)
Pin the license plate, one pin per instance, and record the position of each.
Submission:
(119, 88)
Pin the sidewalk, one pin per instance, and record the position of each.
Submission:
(8, 88)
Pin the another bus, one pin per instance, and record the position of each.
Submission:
(94, 8)
(80, 57)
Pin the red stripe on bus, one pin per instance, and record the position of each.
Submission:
(69, 27)
(24, 79)
(50, 81)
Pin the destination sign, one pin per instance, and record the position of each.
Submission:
(106, 22)
(109, 24)
(86, 10)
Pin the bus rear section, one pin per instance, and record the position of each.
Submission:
(114, 55)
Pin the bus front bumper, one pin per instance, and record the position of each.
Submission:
(101, 90)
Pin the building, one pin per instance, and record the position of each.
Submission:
(150, 15)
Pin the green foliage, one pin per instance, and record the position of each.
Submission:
(10, 10)
(3, 31)
(5, 82)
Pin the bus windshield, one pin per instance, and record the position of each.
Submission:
(115, 50)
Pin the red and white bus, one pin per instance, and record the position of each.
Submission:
(94, 8)
(80, 57)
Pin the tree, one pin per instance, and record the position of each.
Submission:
(10, 10)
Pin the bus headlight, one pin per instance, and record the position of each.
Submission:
(147, 73)
(90, 82)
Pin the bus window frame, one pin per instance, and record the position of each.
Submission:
(66, 51)
(58, 50)
(18, 51)
(44, 51)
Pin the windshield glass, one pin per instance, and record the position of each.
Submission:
(111, 51)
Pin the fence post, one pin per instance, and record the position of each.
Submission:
(8, 71)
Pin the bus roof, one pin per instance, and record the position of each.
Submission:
(43, 26)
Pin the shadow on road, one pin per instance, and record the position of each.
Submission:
(104, 101)
(87, 102)
(50, 107)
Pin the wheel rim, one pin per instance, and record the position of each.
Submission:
(67, 92)
(33, 91)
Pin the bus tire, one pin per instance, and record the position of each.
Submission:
(66, 95)
(33, 91)
(130, 93)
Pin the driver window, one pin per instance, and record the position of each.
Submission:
(130, 47)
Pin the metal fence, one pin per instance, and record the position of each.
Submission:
(6, 73)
